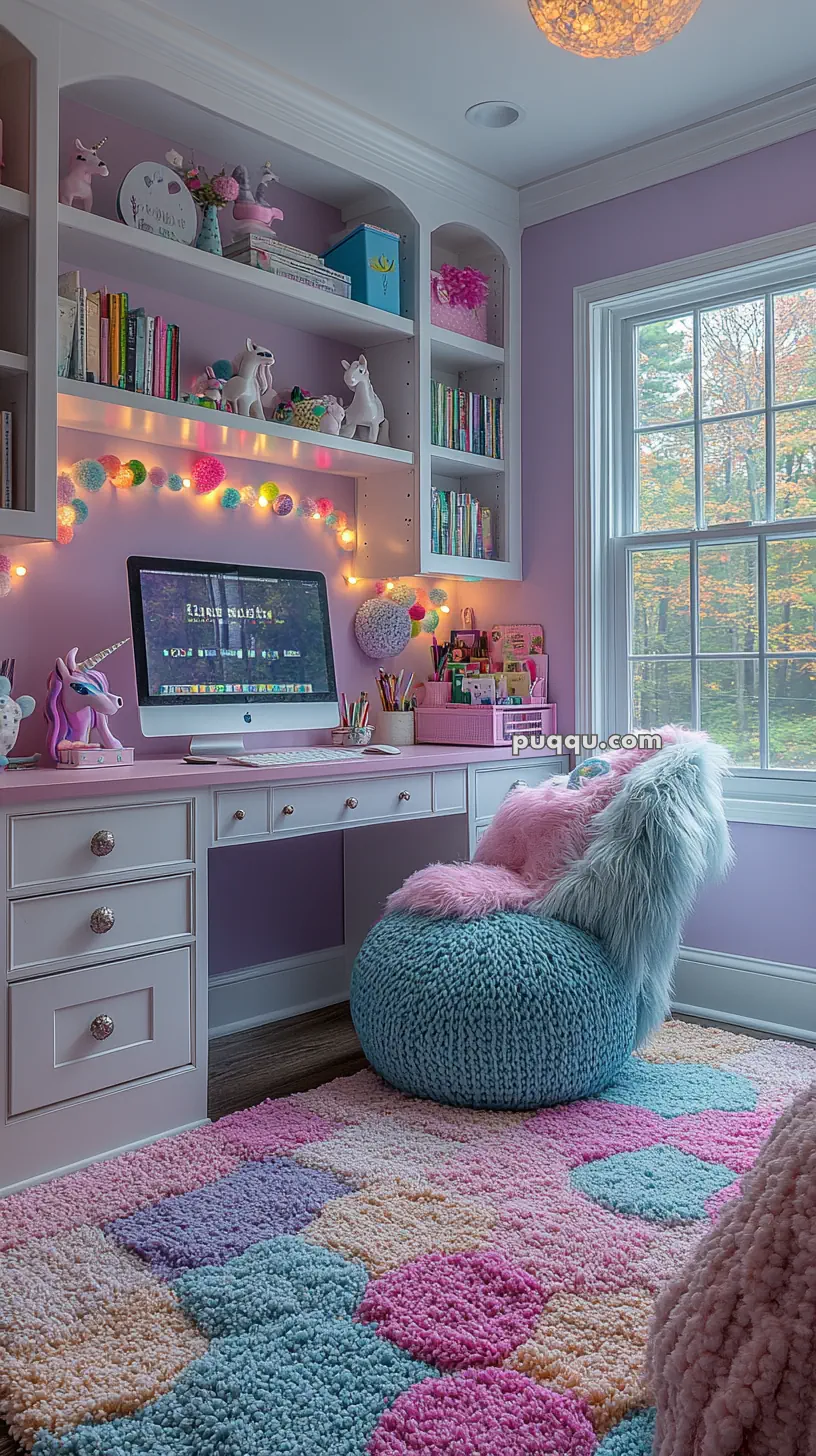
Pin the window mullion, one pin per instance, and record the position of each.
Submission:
(694, 601)
(770, 418)
(762, 602)
(699, 492)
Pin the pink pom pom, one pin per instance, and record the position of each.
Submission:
(5, 564)
(207, 474)
(225, 187)
(465, 287)
(157, 476)
(416, 612)
(379, 587)
(66, 490)
(110, 464)
(325, 506)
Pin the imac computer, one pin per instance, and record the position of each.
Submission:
(225, 650)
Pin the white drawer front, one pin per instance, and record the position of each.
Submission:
(53, 1053)
(83, 843)
(450, 791)
(493, 784)
(241, 814)
(54, 928)
(355, 801)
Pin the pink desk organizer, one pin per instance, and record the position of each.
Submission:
(482, 727)
(86, 755)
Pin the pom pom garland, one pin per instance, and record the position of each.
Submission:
(382, 629)
(175, 482)
(324, 507)
(308, 506)
(379, 587)
(416, 628)
(437, 596)
(403, 595)
(207, 474)
(110, 464)
(65, 535)
(5, 564)
(66, 515)
(282, 505)
(231, 498)
(65, 488)
(430, 621)
(157, 476)
(138, 471)
(5, 583)
(416, 612)
(269, 491)
(80, 511)
(123, 479)
(89, 474)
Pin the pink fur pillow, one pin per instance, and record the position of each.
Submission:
(534, 836)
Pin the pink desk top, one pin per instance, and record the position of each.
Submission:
(172, 775)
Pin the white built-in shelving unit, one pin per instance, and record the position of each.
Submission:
(249, 122)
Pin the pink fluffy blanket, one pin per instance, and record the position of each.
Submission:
(534, 836)
(733, 1345)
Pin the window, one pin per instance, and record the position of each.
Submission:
(705, 533)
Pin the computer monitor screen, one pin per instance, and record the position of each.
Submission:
(223, 648)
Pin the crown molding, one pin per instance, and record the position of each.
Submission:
(292, 110)
(689, 149)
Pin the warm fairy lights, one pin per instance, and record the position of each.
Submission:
(611, 28)
(20, 570)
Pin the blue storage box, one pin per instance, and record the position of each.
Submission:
(370, 256)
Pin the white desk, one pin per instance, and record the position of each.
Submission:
(103, 1018)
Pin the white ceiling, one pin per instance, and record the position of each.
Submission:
(418, 64)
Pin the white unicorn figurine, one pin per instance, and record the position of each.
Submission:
(365, 413)
(76, 185)
(251, 384)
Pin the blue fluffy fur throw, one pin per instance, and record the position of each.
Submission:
(651, 849)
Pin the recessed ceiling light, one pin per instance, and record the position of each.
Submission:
(494, 114)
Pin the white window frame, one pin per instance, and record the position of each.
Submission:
(601, 312)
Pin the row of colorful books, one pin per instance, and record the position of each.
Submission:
(460, 525)
(102, 340)
(258, 250)
(461, 420)
(6, 459)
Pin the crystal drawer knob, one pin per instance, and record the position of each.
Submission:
(101, 1028)
(288, 809)
(239, 814)
(102, 843)
(351, 803)
(405, 796)
(102, 920)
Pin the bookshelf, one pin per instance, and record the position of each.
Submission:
(60, 67)
(28, 90)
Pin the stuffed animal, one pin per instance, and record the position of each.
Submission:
(11, 713)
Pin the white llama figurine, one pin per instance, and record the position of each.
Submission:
(251, 382)
(365, 413)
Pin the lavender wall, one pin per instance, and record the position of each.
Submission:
(765, 908)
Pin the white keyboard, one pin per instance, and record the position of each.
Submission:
(294, 755)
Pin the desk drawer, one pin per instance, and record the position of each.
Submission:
(493, 784)
(54, 928)
(241, 814)
(85, 843)
(53, 1053)
(344, 803)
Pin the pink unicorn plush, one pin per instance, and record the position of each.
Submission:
(76, 185)
(79, 702)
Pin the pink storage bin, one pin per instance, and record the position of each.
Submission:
(483, 727)
(472, 322)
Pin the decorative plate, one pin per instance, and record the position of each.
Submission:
(154, 199)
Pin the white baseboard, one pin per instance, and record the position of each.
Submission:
(279, 989)
(99, 1158)
(766, 995)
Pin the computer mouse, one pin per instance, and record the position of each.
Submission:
(381, 748)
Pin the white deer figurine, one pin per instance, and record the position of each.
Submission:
(76, 185)
(365, 413)
(251, 383)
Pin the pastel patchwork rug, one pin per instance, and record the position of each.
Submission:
(352, 1271)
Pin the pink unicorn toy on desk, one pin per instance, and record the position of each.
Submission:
(79, 702)
(76, 185)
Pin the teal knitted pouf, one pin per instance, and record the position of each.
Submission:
(507, 1011)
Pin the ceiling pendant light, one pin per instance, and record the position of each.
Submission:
(611, 28)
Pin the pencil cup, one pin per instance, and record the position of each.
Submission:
(437, 694)
(396, 729)
(360, 737)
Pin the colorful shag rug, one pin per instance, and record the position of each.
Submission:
(352, 1271)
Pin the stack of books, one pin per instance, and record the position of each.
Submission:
(460, 525)
(102, 340)
(258, 250)
(461, 420)
(6, 461)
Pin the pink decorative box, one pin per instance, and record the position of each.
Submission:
(85, 755)
(472, 322)
(483, 727)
